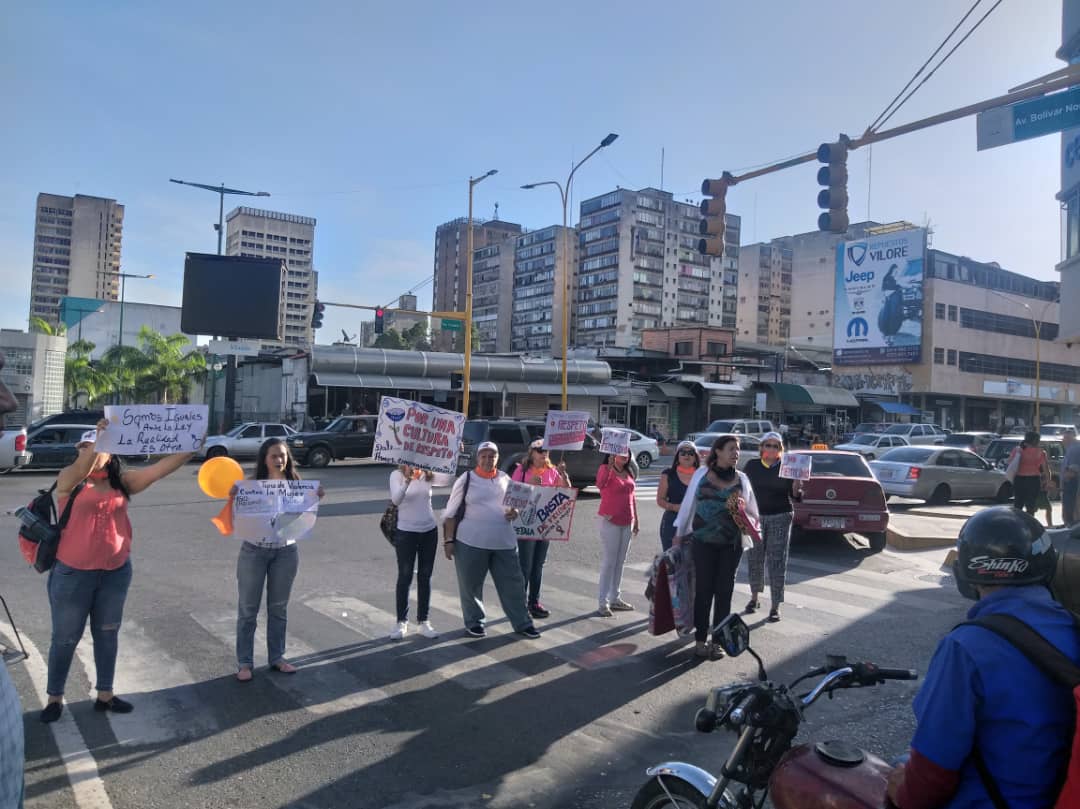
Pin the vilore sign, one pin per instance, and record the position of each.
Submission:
(1028, 119)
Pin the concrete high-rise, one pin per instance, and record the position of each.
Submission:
(76, 251)
(448, 294)
(639, 268)
(537, 309)
(269, 234)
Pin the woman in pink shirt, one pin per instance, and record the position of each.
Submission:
(93, 571)
(616, 522)
(537, 470)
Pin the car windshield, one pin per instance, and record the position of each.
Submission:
(705, 441)
(909, 454)
(338, 425)
(866, 440)
(960, 440)
(235, 431)
(898, 429)
(867, 427)
(999, 449)
(838, 465)
(1052, 429)
(721, 427)
(474, 431)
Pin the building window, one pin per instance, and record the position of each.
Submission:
(952, 313)
(714, 349)
(939, 356)
(939, 311)
(684, 349)
(951, 354)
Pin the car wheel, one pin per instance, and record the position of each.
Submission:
(1005, 493)
(216, 452)
(877, 541)
(644, 460)
(319, 457)
(941, 495)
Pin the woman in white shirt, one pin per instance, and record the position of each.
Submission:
(416, 539)
(479, 537)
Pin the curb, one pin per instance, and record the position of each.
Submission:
(906, 542)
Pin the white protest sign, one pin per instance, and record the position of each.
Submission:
(795, 467)
(544, 512)
(565, 429)
(420, 435)
(153, 429)
(276, 511)
(614, 442)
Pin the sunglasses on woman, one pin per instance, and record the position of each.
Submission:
(689, 452)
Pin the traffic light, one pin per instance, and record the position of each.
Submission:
(713, 211)
(834, 197)
(379, 315)
(457, 380)
(317, 315)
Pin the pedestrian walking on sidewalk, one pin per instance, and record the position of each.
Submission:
(773, 494)
(617, 522)
(92, 572)
(537, 470)
(268, 561)
(415, 542)
(480, 539)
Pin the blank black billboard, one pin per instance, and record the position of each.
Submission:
(232, 296)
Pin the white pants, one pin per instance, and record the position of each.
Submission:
(614, 545)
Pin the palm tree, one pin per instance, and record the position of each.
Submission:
(125, 368)
(81, 377)
(42, 326)
(169, 369)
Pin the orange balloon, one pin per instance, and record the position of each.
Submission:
(217, 476)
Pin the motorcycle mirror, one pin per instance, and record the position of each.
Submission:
(733, 635)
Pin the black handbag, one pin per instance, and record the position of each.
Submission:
(388, 523)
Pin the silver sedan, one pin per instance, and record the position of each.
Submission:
(940, 474)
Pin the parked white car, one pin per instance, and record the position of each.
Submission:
(872, 445)
(13, 451)
(643, 449)
(244, 440)
(918, 433)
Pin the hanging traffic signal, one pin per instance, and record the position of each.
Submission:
(834, 197)
(379, 315)
(317, 315)
(713, 212)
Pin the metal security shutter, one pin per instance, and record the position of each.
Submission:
(531, 405)
(590, 404)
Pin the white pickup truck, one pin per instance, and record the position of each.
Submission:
(13, 450)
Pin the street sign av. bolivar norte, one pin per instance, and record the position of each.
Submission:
(1028, 119)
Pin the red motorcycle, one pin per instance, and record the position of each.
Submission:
(766, 716)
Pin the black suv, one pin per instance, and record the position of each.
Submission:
(344, 437)
(513, 437)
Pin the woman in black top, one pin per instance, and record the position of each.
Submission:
(773, 495)
(672, 488)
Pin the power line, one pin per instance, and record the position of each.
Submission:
(944, 59)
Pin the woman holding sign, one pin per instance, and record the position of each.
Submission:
(271, 561)
(480, 539)
(92, 572)
(719, 506)
(774, 495)
(537, 470)
(617, 521)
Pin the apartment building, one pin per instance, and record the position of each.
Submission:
(639, 268)
(269, 234)
(34, 373)
(448, 292)
(540, 258)
(76, 251)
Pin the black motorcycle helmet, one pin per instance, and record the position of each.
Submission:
(1002, 546)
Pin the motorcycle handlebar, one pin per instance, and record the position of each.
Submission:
(738, 713)
(898, 674)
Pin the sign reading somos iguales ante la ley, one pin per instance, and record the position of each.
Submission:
(153, 429)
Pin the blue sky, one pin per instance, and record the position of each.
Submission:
(371, 117)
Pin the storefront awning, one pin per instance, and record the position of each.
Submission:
(897, 408)
(831, 397)
(378, 381)
(670, 390)
(790, 394)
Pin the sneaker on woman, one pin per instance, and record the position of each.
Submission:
(401, 631)
(427, 630)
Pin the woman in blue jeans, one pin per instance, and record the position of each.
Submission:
(272, 562)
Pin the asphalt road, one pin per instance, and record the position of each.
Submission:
(571, 720)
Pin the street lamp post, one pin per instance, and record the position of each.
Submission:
(230, 366)
(1036, 323)
(564, 194)
(473, 181)
(123, 276)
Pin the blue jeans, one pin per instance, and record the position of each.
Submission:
(1069, 491)
(667, 529)
(277, 568)
(74, 596)
(532, 554)
(472, 565)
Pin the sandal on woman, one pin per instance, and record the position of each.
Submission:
(283, 667)
(751, 607)
(244, 675)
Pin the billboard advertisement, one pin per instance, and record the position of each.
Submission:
(879, 299)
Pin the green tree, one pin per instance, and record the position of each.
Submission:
(391, 339)
(125, 368)
(81, 377)
(416, 337)
(42, 326)
(169, 369)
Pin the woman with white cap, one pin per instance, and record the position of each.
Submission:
(480, 539)
(92, 572)
(537, 470)
(672, 488)
(774, 495)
